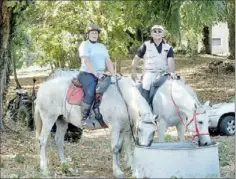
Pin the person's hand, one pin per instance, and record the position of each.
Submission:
(113, 79)
(173, 75)
(134, 76)
(100, 75)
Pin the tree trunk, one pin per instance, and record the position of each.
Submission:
(1, 104)
(5, 17)
(18, 86)
(7, 26)
(1, 56)
(119, 65)
(206, 39)
(231, 26)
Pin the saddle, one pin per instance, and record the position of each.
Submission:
(156, 84)
(75, 92)
(75, 96)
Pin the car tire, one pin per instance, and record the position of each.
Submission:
(227, 125)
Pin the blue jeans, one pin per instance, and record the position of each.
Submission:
(89, 83)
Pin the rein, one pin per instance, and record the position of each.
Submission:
(194, 118)
(131, 127)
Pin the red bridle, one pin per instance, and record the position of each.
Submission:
(194, 118)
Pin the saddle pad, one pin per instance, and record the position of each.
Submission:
(74, 95)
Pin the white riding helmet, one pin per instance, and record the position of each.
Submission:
(157, 27)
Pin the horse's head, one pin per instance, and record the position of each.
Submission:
(146, 129)
(199, 126)
(198, 121)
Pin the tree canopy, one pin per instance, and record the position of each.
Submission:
(49, 32)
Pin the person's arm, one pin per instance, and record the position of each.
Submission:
(140, 53)
(171, 64)
(90, 67)
(110, 66)
(109, 63)
(171, 60)
(134, 66)
(84, 55)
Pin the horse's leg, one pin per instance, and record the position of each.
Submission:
(181, 130)
(162, 130)
(46, 129)
(116, 144)
(62, 126)
(128, 149)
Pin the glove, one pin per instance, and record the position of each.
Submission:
(113, 79)
(173, 75)
(99, 76)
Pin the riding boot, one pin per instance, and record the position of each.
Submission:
(85, 111)
(98, 115)
(145, 94)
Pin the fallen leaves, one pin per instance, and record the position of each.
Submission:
(91, 156)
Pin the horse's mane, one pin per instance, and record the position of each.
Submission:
(190, 91)
(132, 95)
(63, 72)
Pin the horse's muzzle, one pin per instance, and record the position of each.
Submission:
(204, 144)
(148, 145)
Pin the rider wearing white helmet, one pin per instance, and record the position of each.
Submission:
(95, 59)
(158, 58)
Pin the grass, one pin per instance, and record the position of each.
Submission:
(66, 170)
(20, 159)
(91, 156)
(1, 164)
(169, 138)
(223, 154)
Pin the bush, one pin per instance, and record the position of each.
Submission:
(182, 50)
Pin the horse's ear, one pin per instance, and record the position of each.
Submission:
(155, 117)
(207, 104)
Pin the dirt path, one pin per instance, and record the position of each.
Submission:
(91, 156)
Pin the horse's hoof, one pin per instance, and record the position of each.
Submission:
(127, 167)
(122, 175)
(47, 173)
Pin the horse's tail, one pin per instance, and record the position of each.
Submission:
(38, 122)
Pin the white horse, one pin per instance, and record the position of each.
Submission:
(176, 104)
(51, 107)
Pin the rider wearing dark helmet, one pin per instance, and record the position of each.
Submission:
(95, 59)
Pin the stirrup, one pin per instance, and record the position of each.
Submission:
(101, 121)
(88, 123)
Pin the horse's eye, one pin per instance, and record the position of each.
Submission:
(200, 122)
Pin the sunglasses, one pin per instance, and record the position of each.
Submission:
(157, 31)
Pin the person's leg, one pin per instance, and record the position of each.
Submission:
(89, 82)
(98, 115)
(147, 81)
